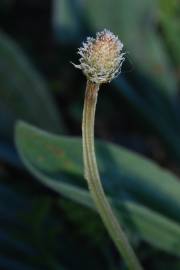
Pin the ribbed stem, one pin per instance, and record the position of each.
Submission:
(94, 182)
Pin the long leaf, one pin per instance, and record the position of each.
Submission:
(23, 92)
(146, 197)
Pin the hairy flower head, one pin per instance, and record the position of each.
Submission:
(101, 57)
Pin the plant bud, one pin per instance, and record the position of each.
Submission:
(101, 57)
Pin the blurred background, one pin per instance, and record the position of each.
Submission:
(139, 110)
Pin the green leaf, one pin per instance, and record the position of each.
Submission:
(145, 197)
(24, 94)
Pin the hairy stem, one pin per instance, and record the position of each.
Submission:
(94, 182)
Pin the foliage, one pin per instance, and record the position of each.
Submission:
(21, 90)
(138, 189)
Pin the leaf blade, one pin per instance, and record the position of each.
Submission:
(154, 224)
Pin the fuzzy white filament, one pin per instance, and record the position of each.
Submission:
(101, 57)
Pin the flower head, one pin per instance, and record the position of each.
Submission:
(101, 57)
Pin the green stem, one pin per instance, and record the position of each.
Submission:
(94, 182)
